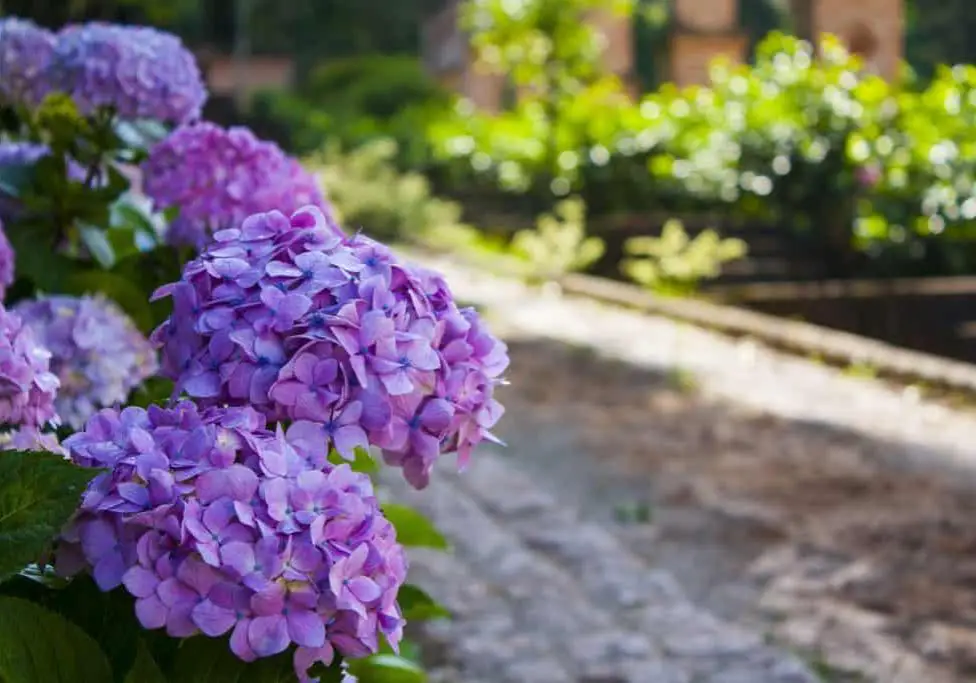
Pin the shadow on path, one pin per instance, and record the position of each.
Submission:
(796, 527)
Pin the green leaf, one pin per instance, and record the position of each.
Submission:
(386, 669)
(140, 134)
(110, 619)
(209, 660)
(153, 390)
(364, 462)
(417, 605)
(413, 529)
(128, 295)
(14, 179)
(36, 259)
(129, 217)
(171, 213)
(39, 646)
(44, 576)
(144, 669)
(38, 493)
(98, 244)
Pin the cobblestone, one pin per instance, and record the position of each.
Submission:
(537, 594)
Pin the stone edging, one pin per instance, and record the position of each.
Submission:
(797, 337)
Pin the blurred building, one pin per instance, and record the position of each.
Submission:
(873, 29)
(225, 76)
(700, 31)
(448, 56)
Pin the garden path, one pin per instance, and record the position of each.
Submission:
(678, 506)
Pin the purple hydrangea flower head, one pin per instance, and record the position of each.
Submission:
(31, 439)
(25, 55)
(6, 262)
(21, 153)
(97, 352)
(27, 385)
(220, 176)
(217, 525)
(335, 335)
(138, 72)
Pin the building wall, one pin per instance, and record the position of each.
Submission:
(691, 55)
(445, 47)
(259, 73)
(704, 29)
(448, 58)
(618, 34)
(707, 16)
(880, 24)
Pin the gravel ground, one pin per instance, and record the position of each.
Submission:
(678, 506)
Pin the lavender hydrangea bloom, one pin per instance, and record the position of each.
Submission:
(25, 55)
(27, 386)
(217, 525)
(220, 176)
(31, 439)
(335, 335)
(138, 72)
(6, 263)
(22, 153)
(97, 352)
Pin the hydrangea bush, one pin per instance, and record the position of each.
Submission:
(211, 509)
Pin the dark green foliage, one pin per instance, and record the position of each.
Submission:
(39, 646)
(38, 492)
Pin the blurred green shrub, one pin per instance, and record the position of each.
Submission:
(674, 263)
(372, 86)
(367, 189)
(881, 175)
(353, 101)
(558, 245)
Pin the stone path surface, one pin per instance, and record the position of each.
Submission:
(679, 506)
(540, 595)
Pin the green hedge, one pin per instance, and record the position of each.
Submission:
(881, 170)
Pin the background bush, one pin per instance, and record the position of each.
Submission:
(880, 174)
